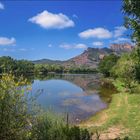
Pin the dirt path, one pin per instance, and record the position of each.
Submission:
(111, 134)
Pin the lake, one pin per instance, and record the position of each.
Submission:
(75, 94)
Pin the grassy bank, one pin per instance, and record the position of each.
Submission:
(121, 119)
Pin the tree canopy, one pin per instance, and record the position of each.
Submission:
(107, 63)
(131, 8)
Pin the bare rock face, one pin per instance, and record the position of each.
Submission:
(119, 48)
(90, 57)
(81, 59)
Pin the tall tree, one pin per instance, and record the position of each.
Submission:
(131, 8)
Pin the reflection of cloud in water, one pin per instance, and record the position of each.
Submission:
(68, 102)
(71, 94)
(91, 105)
(65, 93)
(80, 94)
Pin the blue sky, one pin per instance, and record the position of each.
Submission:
(58, 29)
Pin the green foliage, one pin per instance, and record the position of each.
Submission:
(136, 56)
(14, 119)
(41, 69)
(107, 63)
(81, 70)
(8, 65)
(125, 70)
(132, 20)
(51, 128)
(120, 86)
(47, 68)
(24, 67)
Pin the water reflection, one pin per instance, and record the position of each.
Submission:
(75, 94)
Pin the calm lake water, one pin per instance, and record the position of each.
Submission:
(77, 95)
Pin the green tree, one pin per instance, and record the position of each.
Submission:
(107, 63)
(24, 67)
(7, 64)
(136, 56)
(125, 70)
(131, 8)
(41, 69)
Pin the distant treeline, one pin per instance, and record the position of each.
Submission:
(10, 65)
(47, 68)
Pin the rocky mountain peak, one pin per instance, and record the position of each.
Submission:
(125, 47)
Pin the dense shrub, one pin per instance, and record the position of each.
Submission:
(14, 119)
(53, 128)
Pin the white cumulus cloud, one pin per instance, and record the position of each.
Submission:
(100, 33)
(73, 46)
(1, 6)
(50, 20)
(4, 41)
(119, 31)
(98, 43)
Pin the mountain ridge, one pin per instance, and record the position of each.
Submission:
(90, 57)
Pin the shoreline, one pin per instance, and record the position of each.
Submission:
(119, 120)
